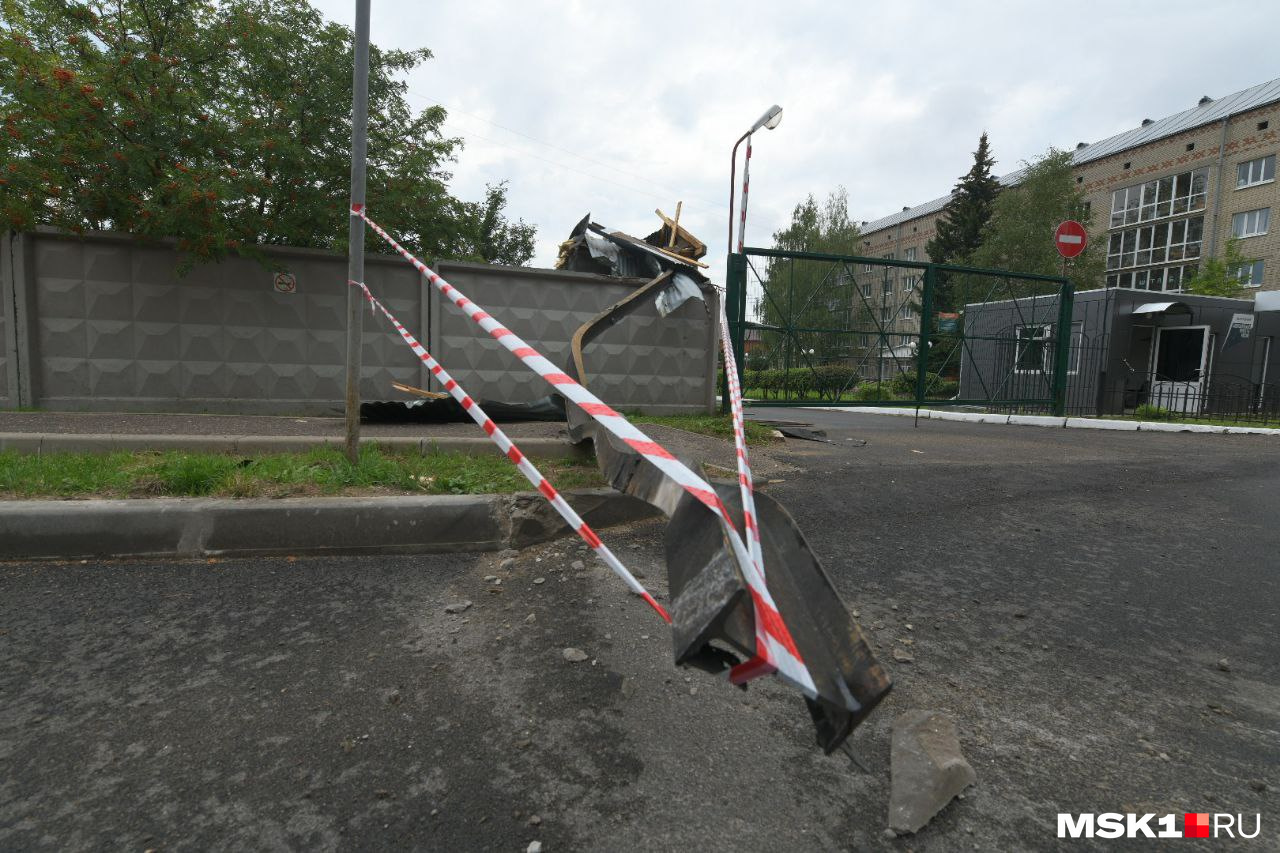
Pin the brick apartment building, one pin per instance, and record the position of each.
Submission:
(1161, 196)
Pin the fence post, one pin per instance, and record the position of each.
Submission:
(922, 345)
(1062, 352)
(735, 306)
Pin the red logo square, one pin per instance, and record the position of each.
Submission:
(1195, 825)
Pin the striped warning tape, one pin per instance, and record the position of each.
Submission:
(776, 649)
(757, 666)
(531, 473)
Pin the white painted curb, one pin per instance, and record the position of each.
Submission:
(1048, 421)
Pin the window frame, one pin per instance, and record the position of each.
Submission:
(1257, 265)
(1021, 342)
(1261, 214)
(1262, 171)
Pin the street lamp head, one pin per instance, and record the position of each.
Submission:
(772, 118)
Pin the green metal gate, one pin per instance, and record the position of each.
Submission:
(816, 329)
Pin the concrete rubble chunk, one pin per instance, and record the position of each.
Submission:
(927, 769)
(457, 607)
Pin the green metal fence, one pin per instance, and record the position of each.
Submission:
(818, 329)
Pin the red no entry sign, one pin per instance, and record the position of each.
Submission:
(1070, 238)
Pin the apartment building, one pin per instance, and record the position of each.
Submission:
(1162, 196)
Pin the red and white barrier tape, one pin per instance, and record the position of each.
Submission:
(531, 473)
(776, 649)
(750, 669)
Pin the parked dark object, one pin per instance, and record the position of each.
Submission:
(447, 411)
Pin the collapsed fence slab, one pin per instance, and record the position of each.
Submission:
(838, 698)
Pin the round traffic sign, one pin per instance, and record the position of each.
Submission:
(1070, 238)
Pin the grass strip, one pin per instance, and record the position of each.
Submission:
(323, 471)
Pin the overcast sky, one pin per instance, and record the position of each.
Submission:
(617, 108)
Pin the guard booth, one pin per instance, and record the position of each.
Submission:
(1191, 356)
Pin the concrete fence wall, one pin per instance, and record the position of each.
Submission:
(104, 323)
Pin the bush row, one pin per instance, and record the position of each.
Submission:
(834, 381)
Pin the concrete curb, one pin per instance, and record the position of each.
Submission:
(1048, 421)
(193, 527)
(537, 447)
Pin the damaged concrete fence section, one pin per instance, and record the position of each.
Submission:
(714, 611)
(104, 322)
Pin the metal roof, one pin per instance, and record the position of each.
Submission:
(1197, 116)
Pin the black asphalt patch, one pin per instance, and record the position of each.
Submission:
(1067, 597)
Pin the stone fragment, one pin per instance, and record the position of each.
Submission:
(457, 607)
(903, 656)
(534, 847)
(927, 769)
(539, 580)
(573, 655)
(1224, 665)
(577, 565)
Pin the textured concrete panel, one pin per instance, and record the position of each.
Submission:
(117, 327)
(645, 361)
(116, 321)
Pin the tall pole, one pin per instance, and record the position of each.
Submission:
(746, 184)
(355, 233)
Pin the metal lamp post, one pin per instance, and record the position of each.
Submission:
(772, 118)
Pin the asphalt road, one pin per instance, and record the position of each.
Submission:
(1067, 596)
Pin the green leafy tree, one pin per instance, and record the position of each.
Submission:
(1019, 234)
(959, 229)
(1220, 276)
(226, 125)
(810, 294)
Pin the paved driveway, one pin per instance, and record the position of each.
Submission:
(1066, 595)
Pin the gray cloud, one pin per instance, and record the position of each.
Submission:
(634, 106)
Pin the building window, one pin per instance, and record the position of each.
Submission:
(1250, 275)
(909, 254)
(909, 282)
(1263, 125)
(865, 340)
(1155, 244)
(866, 290)
(908, 313)
(1251, 223)
(1167, 279)
(904, 340)
(1033, 348)
(887, 284)
(1168, 196)
(1077, 347)
(1256, 172)
(884, 313)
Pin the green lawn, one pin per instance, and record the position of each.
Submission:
(322, 471)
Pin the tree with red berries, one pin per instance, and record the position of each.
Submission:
(225, 125)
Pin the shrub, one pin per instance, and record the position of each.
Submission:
(903, 385)
(873, 391)
(1148, 412)
(830, 381)
(942, 389)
